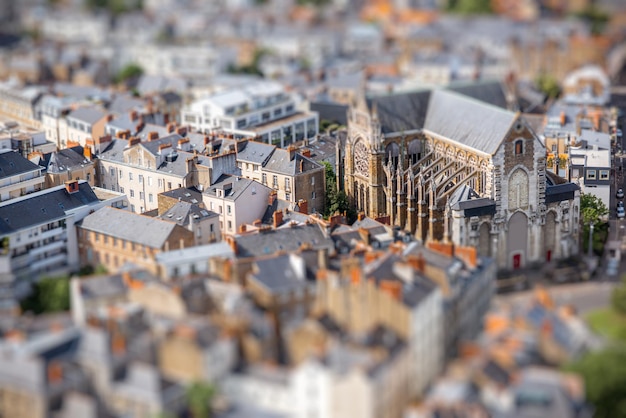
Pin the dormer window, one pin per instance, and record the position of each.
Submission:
(519, 147)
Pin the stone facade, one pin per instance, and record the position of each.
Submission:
(417, 178)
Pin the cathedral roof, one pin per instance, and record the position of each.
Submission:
(489, 91)
(400, 112)
(470, 122)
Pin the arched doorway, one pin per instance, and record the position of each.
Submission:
(517, 240)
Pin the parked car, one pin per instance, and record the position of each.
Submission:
(620, 212)
(620, 193)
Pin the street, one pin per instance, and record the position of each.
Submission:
(585, 297)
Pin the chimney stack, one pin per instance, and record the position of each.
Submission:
(71, 186)
(182, 131)
(55, 372)
(272, 198)
(134, 115)
(278, 218)
(292, 152)
(303, 206)
(153, 136)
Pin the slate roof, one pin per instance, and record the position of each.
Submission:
(239, 185)
(124, 225)
(44, 206)
(281, 239)
(181, 212)
(491, 92)
(255, 152)
(280, 163)
(125, 103)
(283, 273)
(89, 115)
(218, 249)
(12, 164)
(102, 286)
(472, 123)
(184, 194)
(400, 112)
(466, 198)
(64, 160)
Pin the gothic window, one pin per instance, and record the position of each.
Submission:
(392, 151)
(519, 147)
(414, 150)
(518, 190)
(361, 163)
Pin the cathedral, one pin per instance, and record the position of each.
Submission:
(444, 165)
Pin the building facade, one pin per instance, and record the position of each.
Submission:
(410, 155)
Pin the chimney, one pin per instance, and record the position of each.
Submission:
(441, 247)
(242, 228)
(182, 142)
(182, 131)
(355, 274)
(171, 127)
(152, 136)
(55, 372)
(118, 343)
(467, 255)
(109, 117)
(71, 186)
(134, 115)
(272, 198)
(303, 206)
(302, 166)
(140, 124)
(365, 235)
(417, 262)
(278, 218)
(233, 244)
(361, 216)
(292, 152)
(133, 141)
(257, 223)
(87, 153)
(392, 288)
(306, 153)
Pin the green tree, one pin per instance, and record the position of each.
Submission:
(595, 17)
(548, 85)
(604, 373)
(50, 294)
(470, 6)
(199, 397)
(592, 209)
(129, 72)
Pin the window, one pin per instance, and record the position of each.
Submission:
(230, 226)
(169, 185)
(278, 112)
(132, 208)
(221, 209)
(313, 195)
(88, 176)
(312, 181)
(140, 178)
(141, 195)
(149, 181)
(288, 197)
(287, 183)
(160, 183)
(130, 176)
(211, 228)
(211, 206)
(106, 239)
(132, 193)
(604, 174)
(264, 178)
(275, 181)
(519, 147)
(112, 172)
(591, 174)
(121, 190)
(115, 242)
(150, 199)
(228, 209)
(97, 237)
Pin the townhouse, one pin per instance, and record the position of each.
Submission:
(85, 123)
(110, 237)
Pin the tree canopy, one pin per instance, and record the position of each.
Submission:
(199, 396)
(129, 72)
(50, 294)
(548, 85)
(592, 209)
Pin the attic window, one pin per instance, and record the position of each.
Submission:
(44, 210)
(519, 147)
(519, 126)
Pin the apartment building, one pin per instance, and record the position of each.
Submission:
(85, 123)
(293, 175)
(18, 105)
(142, 170)
(110, 237)
(237, 200)
(38, 230)
(66, 164)
(52, 110)
(261, 109)
(18, 176)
